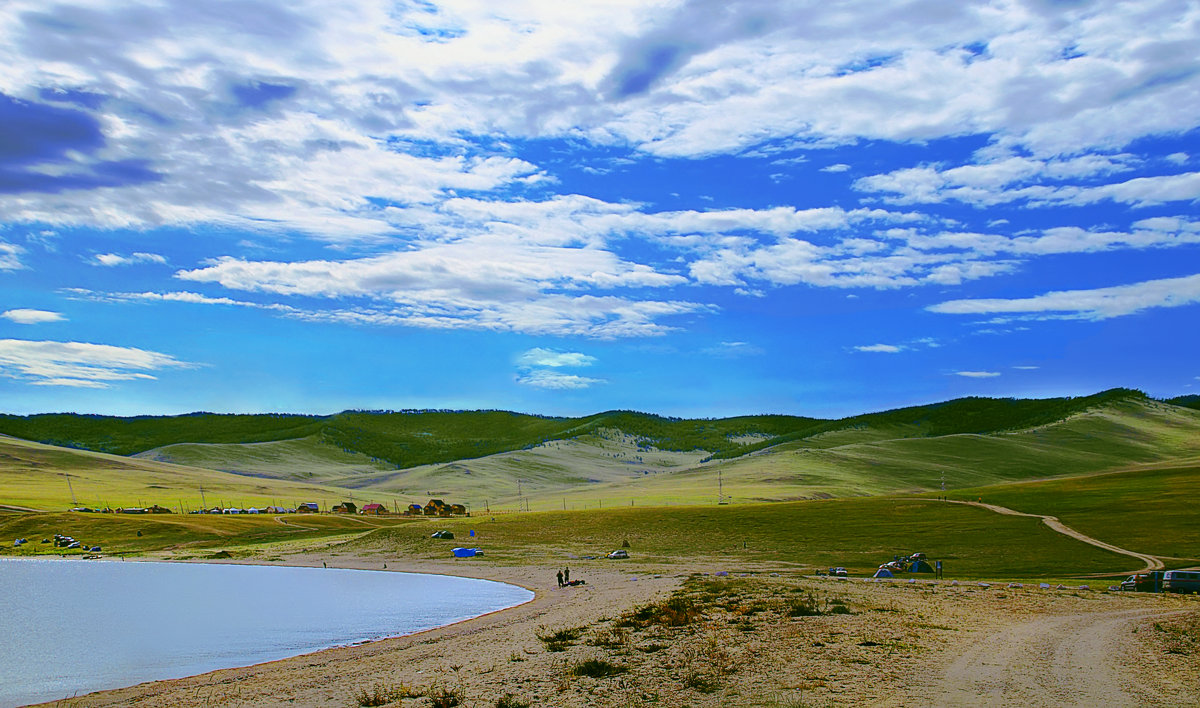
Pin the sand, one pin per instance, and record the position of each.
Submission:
(894, 643)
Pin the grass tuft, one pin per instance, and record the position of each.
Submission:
(597, 668)
(384, 693)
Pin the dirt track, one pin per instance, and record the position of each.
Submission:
(1076, 659)
(1152, 562)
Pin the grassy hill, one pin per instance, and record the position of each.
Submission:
(490, 459)
(128, 436)
(1192, 401)
(399, 439)
(411, 438)
(1149, 508)
(867, 461)
(35, 475)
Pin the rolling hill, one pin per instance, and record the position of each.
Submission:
(491, 459)
(35, 475)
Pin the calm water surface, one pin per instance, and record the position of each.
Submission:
(71, 627)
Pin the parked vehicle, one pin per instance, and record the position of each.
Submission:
(619, 554)
(1181, 581)
(1143, 582)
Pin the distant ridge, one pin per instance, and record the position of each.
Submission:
(1191, 401)
(410, 438)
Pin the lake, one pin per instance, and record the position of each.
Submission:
(71, 626)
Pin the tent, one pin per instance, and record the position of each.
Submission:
(442, 534)
(465, 552)
(920, 566)
(883, 573)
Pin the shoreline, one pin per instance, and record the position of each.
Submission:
(543, 604)
(933, 642)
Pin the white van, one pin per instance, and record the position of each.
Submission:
(1181, 581)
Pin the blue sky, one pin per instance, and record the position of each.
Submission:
(690, 208)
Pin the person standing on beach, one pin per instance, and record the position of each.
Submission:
(566, 576)
(560, 579)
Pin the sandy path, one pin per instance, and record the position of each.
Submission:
(1050, 661)
(1152, 562)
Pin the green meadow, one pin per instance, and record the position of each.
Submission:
(859, 534)
(1151, 509)
(183, 535)
(804, 536)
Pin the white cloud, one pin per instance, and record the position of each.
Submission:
(977, 374)
(880, 348)
(26, 316)
(395, 131)
(293, 116)
(495, 283)
(10, 256)
(1156, 232)
(1055, 78)
(555, 380)
(549, 357)
(78, 364)
(1001, 179)
(1026, 368)
(584, 315)
(1096, 304)
(733, 350)
(113, 259)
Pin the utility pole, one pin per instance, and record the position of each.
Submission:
(73, 502)
(203, 503)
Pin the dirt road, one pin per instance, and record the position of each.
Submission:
(1152, 562)
(1075, 660)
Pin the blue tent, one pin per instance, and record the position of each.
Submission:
(883, 573)
(465, 552)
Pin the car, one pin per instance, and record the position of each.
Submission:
(838, 572)
(619, 554)
(1143, 582)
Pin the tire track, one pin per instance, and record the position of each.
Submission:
(1152, 562)
(1048, 661)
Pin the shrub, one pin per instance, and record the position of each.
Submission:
(805, 606)
(611, 638)
(443, 697)
(597, 668)
(508, 700)
(382, 694)
(673, 612)
(560, 639)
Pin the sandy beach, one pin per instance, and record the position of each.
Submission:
(754, 637)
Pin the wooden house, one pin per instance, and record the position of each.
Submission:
(345, 508)
(308, 508)
(436, 507)
(375, 509)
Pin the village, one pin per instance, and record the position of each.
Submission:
(435, 507)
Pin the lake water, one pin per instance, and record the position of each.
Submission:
(71, 627)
